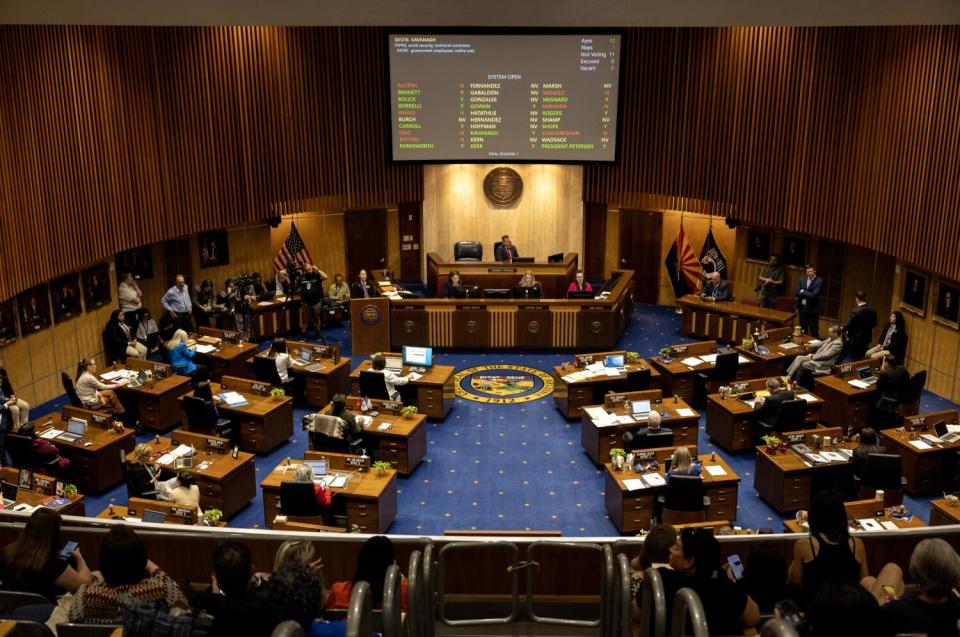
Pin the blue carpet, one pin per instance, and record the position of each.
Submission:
(514, 466)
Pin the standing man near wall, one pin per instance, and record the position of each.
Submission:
(808, 301)
(771, 277)
(176, 301)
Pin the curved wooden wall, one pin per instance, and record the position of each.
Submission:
(845, 133)
(116, 137)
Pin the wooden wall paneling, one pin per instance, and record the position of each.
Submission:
(594, 250)
(410, 241)
(366, 239)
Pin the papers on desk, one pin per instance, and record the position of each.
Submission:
(817, 458)
(233, 399)
(613, 371)
(364, 421)
(743, 360)
(788, 346)
(51, 433)
(393, 296)
(869, 524)
(686, 412)
(709, 358)
(814, 343)
(182, 451)
(596, 413)
(203, 348)
(810, 398)
(384, 426)
(691, 361)
(953, 429)
(715, 470)
(574, 377)
(833, 456)
(23, 507)
(634, 484)
(889, 525)
(315, 367)
(607, 420)
(654, 479)
(919, 444)
(595, 367)
(859, 384)
(332, 481)
(204, 465)
(167, 458)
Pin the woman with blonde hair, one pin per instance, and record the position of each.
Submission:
(683, 464)
(141, 472)
(181, 356)
(296, 552)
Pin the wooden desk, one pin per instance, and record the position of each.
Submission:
(95, 467)
(787, 482)
(230, 358)
(226, 483)
(156, 401)
(677, 379)
(570, 396)
(942, 513)
(320, 386)
(371, 497)
(858, 510)
(554, 278)
(275, 317)
(134, 508)
(726, 321)
(731, 422)
(265, 422)
(776, 362)
(925, 469)
(403, 445)
(598, 441)
(631, 511)
(435, 390)
(43, 489)
(846, 405)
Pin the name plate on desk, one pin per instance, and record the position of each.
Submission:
(181, 512)
(361, 462)
(844, 369)
(41, 484)
(533, 307)
(794, 438)
(100, 420)
(598, 308)
(501, 269)
(159, 371)
(471, 308)
(409, 307)
(262, 388)
(917, 420)
(216, 443)
(678, 349)
(612, 400)
(391, 405)
(645, 455)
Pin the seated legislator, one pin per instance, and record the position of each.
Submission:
(579, 284)
(892, 381)
(282, 360)
(9, 401)
(391, 379)
(768, 409)
(821, 360)
(93, 393)
(715, 288)
(181, 489)
(506, 251)
(453, 280)
(363, 287)
(893, 339)
(650, 436)
(869, 443)
(683, 464)
(142, 474)
(119, 339)
(147, 331)
(176, 301)
(45, 451)
(305, 474)
(181, 356)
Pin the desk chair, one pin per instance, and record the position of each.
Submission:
(373, 385)
(684, 502)
(22, 455)
(468, 251)
(638, 380)
(330, 433)
(724, 371)
(71, 392)
(200, 417)
(790, 418)
(265, 370)
(651, 440)
(909, 401)
(298, 499)
(883, 471)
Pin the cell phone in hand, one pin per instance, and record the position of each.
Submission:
(789, 612)
(68, 548)
(736, 566)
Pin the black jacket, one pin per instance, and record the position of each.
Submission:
(769, 410)
(898, 342)
(893, 382)
(140, 480)
(859, 329)
(356, 290)
(115, 342)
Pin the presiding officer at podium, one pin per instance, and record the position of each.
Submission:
(715, 288)
(363, 287)
(506, 251)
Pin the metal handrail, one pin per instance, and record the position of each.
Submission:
(623, 586)
(653, 606)
(392, 604)
(607, 583)
(429, 596)
(530, 565)
(514, 580)
(360, 611)
(415, 596)
(687, 602)
(777, 627)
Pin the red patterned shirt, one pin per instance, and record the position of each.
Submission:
(100, 603)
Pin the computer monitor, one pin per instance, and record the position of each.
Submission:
(319, 467)
(306, 354)
(613, 360)
(522, 259)
(497, 293)
(640, 407)
(466, 291)
(580, 294)
(418, 356)
(521, 292)
(555, 258)
(865, 372)
(9, 490)
(940, 427)
(183, 463)
(77, 426)
(154, 517)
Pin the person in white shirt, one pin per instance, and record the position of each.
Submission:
(278, 351)
(392, 379)
(93, 393)
(130, 297)
(181, 489)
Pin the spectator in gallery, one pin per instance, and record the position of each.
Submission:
(579, 284)
(119, 339)
(859, 328)
(506, 251)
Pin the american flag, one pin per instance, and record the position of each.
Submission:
(292, 248)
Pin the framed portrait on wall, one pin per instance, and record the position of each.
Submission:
(139, 261)
(34, 305)
(794, 251)
(914, 295)
(948, 302)
(8, 321)
(213, 248)
(65, 295)
(96, 286)
(758, 245)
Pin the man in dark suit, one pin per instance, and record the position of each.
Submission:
(808, 301)
(768, 409)
(859, 329)
(893, 380)
(715, 288)
(506, 251)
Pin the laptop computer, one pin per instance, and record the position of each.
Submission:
(613, 360)
(865, 374)
(943, 434)
(9, 491)
(304, 356)
(319, 467)
(76, 428)
(640, 408)
(156, 517)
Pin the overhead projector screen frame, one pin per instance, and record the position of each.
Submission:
(392, 132)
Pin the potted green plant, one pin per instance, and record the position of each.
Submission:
(211, 517)
(665, 352)
(70, 490)
(617, 456)
(277, 393)
(746, 342)
(382, 466)
(774, 444)
(409, 411)
(632, 357)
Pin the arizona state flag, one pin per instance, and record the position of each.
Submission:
(683, 266)
(711, 258)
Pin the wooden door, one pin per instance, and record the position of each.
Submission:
(594, 240)
(640, 232)
(410, 252)
(178, 259)
(366, 236)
